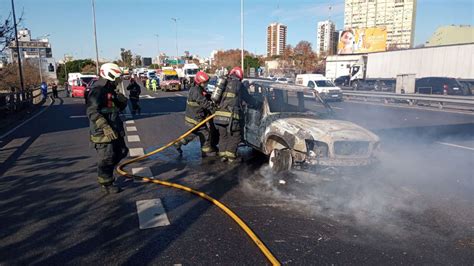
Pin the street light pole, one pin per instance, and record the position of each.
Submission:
(17, 48)
(242, 35)
(65, 68)
(95, 39)
(176, 24)
(158, 46)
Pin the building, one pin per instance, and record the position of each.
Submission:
(397, 16)
(29, 48)
(276, 39)
(453, 34)
(325, 41)
(34, 51)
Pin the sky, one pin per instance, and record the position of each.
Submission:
(203, 26)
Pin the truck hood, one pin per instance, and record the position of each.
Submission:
(169, 82)
(322, 130)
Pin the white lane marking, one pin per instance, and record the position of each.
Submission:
(151, 213)
(143, 172)
(133, 138)
(78, 116)
(147, 96)
(131, 129)
(135, 152)
(130, 122)
(7, 150)
(27, 120)
(456, 146)
(171, 99)
(178, 94)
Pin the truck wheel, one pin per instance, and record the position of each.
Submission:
(355, 85)
(280, 160)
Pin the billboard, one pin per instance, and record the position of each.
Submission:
(364, 40)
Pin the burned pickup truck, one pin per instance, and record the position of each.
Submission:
(293, 134)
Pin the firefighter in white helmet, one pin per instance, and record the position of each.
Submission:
(106, 128)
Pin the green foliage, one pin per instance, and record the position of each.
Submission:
(250, 61)
(154, 66)
(73, 66)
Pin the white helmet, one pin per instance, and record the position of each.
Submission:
(110, 71)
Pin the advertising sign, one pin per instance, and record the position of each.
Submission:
(357, 41)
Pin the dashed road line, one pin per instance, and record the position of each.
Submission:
(131, 129)
(143, 172)
(78, 116)
(151, 213)
(179, 94)
(455, 146)
(133, 138)
(128, 122)
(135, 152)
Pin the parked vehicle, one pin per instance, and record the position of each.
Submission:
(282, 80)
(187, 74)
(287, 131)
(88, 88)
(321, 84)
(440, 85)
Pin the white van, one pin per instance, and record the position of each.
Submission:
(321, 84)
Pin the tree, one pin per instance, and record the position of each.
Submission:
(249, 62)
(127, 57)
(138, 60)
(7, 31)
(305, 58)
(81, 66)
(9, 76)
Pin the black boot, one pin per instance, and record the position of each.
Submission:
(111, 188)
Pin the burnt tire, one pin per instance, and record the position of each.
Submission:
(280, 160)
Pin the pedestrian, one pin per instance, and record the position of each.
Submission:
(229, 117)
(198, 107)
(147, 82)
(44, 90)
(55, 90)
(154, 84)
(66, 87)
(134, 96)
(106, 127)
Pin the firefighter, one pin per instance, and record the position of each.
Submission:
(229, 117)
(135, 91)
(106, 127)
(198, 107)
(154, 84)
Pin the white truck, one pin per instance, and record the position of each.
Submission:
(443, 61)
(187, 73)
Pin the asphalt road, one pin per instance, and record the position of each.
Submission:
(415, 207)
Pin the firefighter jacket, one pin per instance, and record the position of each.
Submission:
(198, 105)
(230, 106)
(135, 90)
(104, 103)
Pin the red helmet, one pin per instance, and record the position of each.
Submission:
(237, 71)
(201, 77)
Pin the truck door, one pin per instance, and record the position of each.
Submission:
(253, 120)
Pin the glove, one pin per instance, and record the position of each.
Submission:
(121, 98)
(109, 133)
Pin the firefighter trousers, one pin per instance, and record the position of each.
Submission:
(204, 136)
(109, 155)
(228, 141)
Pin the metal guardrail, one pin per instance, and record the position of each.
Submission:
(14, 101)
(441, 101)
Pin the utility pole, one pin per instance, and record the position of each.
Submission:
(176, 24)
(158, 46)
(65, 68)
(242, 35)
(95, 39)
(17, 48)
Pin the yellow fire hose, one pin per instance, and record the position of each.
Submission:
(221, 206)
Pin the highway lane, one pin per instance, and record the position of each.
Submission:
(414, 208)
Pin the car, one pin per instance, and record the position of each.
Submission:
(79, 85)
(342, 80)
(293, 135)
(282, 80)
(88, 88)
(211, 85)
(440, 85)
